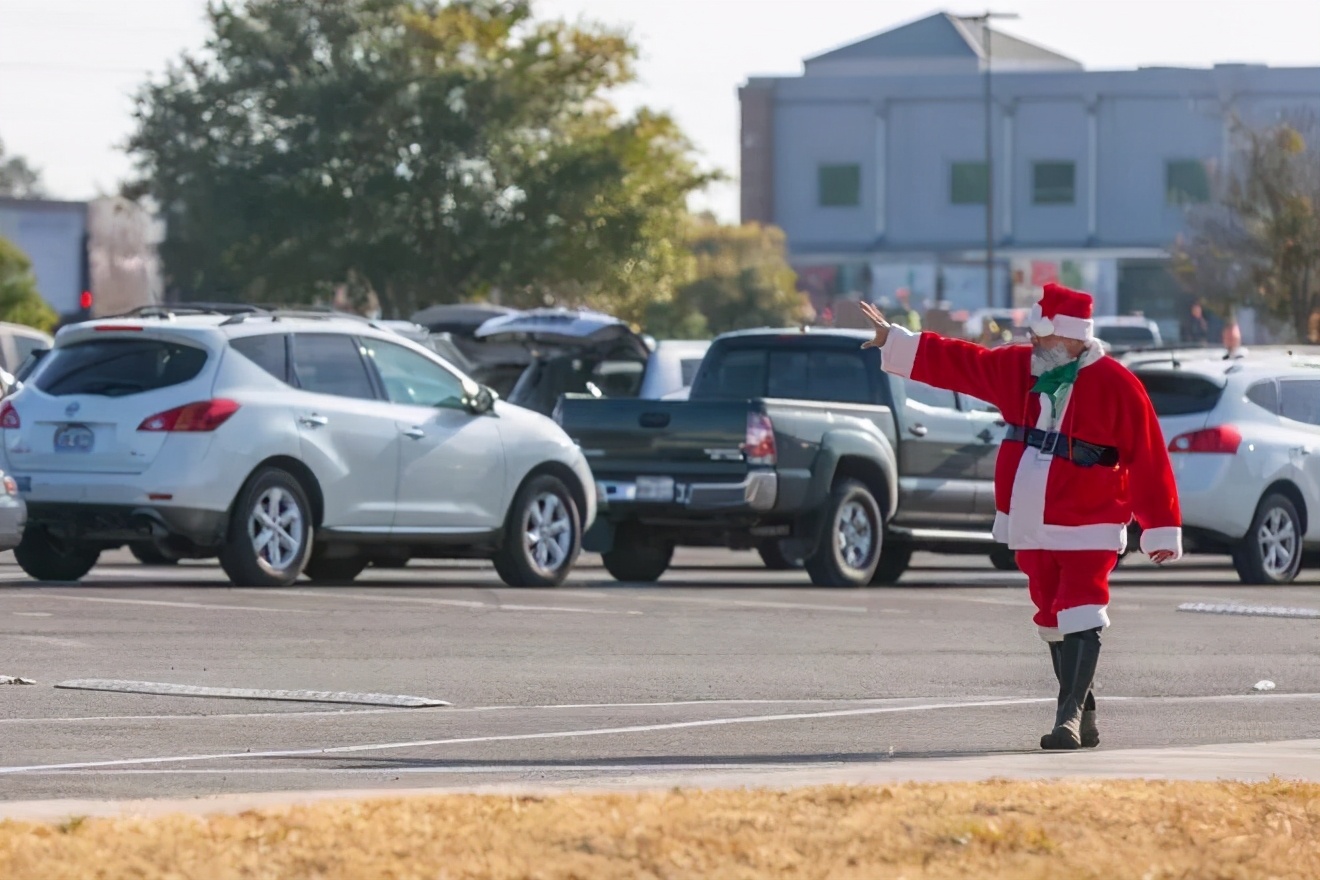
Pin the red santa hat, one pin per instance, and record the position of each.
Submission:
(1062, 312)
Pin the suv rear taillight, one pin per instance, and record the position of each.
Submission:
(1223, 439)
(759, 445)
(205, 415)
(9, 416)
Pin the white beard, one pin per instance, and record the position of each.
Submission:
(1045, 359)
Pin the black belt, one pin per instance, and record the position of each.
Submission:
(1079, 452)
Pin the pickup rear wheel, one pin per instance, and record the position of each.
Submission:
(636, 556)
(849, 549)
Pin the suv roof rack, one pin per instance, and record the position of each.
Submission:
(278, 312)
(170, 310)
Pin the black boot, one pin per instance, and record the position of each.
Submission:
(1078, 654)
(1089, 732)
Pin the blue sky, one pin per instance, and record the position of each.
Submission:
(67, 67)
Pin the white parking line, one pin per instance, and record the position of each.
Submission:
(518, 737)
(663, 704)
(302, 696)
(710, 600)
(426, 600)
(53, 641)
(156, 602)
(462, 769)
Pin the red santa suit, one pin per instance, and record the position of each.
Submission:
(1065, 492)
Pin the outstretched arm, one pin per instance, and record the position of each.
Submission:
(955, 364)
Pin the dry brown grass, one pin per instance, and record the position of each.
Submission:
(996, 829)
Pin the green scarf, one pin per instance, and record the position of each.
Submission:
(1056, 382)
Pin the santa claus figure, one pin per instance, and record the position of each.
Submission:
(1082, 457)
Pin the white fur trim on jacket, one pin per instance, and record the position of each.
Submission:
(899, 353)
(1163, 538)
(1082, 618)
(1050, 634)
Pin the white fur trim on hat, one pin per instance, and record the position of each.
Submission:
(1060, 325)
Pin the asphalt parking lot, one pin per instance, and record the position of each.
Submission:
(722, 667)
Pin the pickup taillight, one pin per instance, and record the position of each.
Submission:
(759, 445)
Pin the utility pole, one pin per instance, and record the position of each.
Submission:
(984, 21)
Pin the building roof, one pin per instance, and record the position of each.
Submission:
(945, 38)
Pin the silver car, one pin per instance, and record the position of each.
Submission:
(13, 513)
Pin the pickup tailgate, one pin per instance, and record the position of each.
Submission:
(652, 450)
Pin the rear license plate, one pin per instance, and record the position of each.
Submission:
(655, 489)
(74, 438)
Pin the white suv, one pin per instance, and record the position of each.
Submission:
(283, 443)
(1244, 438)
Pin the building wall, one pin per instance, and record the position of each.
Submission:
(904, 131)
(757, 190)
(52, 235)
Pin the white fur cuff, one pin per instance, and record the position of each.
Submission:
(899, 353)
(1163, 538)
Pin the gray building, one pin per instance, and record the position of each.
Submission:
(873, 162)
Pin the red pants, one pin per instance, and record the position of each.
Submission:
(1069, 587)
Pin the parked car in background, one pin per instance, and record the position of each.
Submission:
(18, 342)
(1244, 439)
(794, 443)
(571, 351)
(671, 367)
(493, 363)
(1123, 333)
(284, 443)
(13, 513)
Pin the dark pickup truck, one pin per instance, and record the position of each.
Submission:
(795, 443)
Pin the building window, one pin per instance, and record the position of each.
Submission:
(968, 183)
(1053, 183)
(1186, 181)
(840, 186)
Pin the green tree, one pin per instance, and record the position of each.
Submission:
(1259, 244)
(740, 278)
(18, 179)
(432, 151)
(19, 301)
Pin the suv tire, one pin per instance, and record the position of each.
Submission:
(849, 548)
(542, 537)
(1271, 551)
(47, 558)
(636, 556)
(335, 569)
(269, 539)
(147, 554)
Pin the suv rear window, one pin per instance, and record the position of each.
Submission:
(1121, 335)
(119, 367)
(1180, 395)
